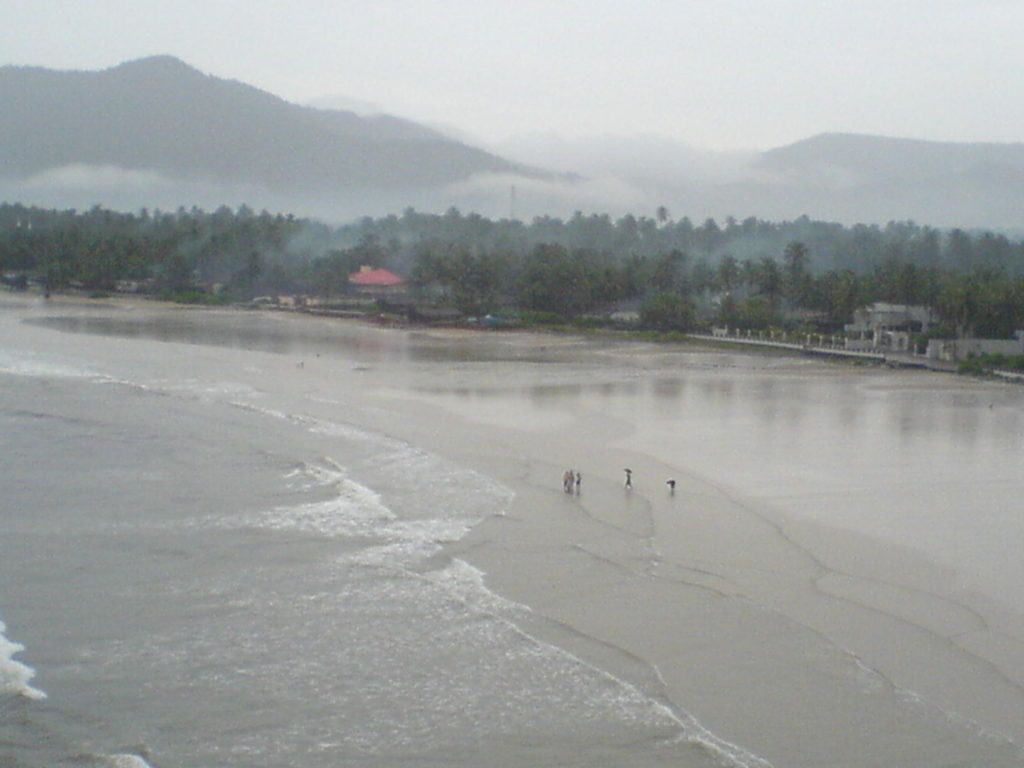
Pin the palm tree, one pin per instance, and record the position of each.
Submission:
(769, 279)
(728, 273)
(796, 280)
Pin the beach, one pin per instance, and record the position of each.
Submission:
(805, 641)
(833, 580)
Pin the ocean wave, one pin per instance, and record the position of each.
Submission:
(466, 583)
(356, 511)
(126, 760)
(406, 503)
(32, 365)
(115, 760)
(14, 675)
(409, 542)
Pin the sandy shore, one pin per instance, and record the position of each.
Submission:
(801, 643)
(805, 645)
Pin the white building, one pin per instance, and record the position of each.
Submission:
(887, 326)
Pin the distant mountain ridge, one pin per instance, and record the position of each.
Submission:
(156, 132)
(878, 179)
(844, 177)
(879, 158)
(162, 115)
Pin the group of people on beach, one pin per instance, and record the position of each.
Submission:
(571, 479)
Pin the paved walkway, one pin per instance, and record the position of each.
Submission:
(881, 356)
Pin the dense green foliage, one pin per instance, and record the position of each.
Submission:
(983, 364)
(675, 274)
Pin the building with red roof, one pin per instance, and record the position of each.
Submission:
(376, 282)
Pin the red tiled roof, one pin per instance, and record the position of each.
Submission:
(374, 277)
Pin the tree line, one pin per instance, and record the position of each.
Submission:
(675, 274)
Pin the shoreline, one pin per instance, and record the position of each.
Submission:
(773, 632)
(689, 341)
(618, 584)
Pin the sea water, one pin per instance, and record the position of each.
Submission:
(197, 571)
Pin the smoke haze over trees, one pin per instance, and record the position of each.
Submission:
(678, 274)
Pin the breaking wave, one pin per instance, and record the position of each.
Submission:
(14, 675)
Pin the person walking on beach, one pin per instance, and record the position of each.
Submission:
(671, 486)
(579, 479)
(629, 478)
(567, 481)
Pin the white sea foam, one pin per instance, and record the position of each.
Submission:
(409, 542)
(429, 501)
(356, 511)
(466, 584)
(15, 676)
(125, 760)
(29, 364)
(36, 366)
(309, 476)
(214, 390)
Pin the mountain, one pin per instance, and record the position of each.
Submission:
(877, 179)
(159, 133)
(852, 159)
(847, 178)
(159, 115)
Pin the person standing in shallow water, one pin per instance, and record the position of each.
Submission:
(629, 478)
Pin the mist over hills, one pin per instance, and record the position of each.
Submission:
(175, 130)
(159, 133)
(846, 178)
(942, 183)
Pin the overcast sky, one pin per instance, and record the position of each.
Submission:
(719, 74)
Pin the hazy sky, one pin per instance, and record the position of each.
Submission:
(718, 74)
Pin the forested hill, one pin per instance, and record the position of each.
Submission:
(159, 114)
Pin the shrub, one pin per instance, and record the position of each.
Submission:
(972, 365)
(537, 317)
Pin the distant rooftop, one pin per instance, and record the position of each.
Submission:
(370, 276)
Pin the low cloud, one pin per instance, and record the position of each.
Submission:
(79, 176)
(82, 186)
(512, 196)
(617, 176)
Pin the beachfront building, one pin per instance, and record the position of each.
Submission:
(376, 282)
(884, 326)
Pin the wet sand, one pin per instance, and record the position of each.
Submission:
(805, 644)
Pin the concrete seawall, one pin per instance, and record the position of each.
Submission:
(904, 359)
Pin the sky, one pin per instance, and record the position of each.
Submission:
(713, 74)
